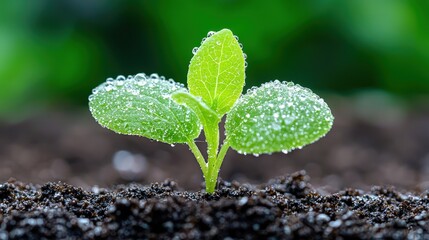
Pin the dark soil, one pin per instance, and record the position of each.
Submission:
(284, 208)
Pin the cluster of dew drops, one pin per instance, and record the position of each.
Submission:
(298, 96)
(211, 33)
(298, 91)
(133, 84)
(140, 79)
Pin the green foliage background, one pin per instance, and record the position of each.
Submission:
(53, 53)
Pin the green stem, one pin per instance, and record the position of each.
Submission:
(221, 155)
(210, 121)
(200, 159)
(212, 138)
(214, 166)
(210, 168)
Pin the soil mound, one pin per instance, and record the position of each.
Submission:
(284, 208)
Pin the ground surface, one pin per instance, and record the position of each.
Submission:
(283, 208)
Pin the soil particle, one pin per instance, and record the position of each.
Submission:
(284, 208)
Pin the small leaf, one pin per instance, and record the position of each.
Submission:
(277, 117)
(142, 106)
(216, 72)
(206, 115)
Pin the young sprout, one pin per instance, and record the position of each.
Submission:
(277, 116)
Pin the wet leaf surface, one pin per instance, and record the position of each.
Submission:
(216, 72)
(278, 116)
(142, 105)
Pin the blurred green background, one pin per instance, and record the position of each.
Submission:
(52, 53)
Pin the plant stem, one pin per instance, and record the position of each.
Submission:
(212, 138)
(200, 159)
(214, 168)
(221, 155)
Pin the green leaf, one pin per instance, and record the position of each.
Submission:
(277, 117)
(216, 72)
(142, 106)
(206, 115)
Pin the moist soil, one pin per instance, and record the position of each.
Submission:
(284, 208)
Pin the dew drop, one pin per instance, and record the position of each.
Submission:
(244, 56)
(154, 76)
(120, 78)
(140, 76)
(218, 43)
(211, 33)
(236, 37)
(109, 88)
(194, 50)
(141, 83)
(245, 64)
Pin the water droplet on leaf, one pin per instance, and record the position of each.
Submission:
(194, 50)
(211, 33)
(154, 76)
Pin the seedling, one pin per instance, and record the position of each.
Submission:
(277, 116)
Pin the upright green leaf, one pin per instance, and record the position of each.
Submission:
(142, 106)
(277, 117)
(216, 72)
